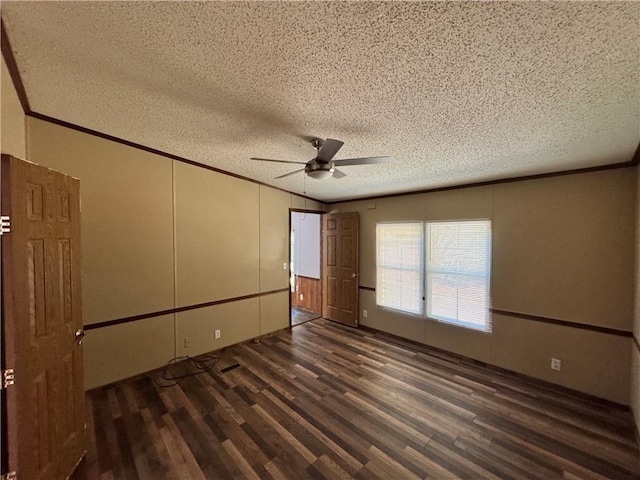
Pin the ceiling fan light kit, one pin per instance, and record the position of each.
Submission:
(323, 166)
(320, 171)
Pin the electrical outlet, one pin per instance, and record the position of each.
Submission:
(284, 266)
(187, 342)
(301, 296)
(364, 313)
(556, 364)
(216, 334)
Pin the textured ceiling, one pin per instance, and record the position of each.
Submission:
(454, 92)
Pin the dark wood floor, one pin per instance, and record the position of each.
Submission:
(299, 316)
(326, 401)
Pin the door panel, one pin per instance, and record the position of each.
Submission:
(331, 257)
(332, 292)
(42, 310)
(347, 252)
(340, 267)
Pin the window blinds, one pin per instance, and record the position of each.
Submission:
(457, 266)
(399, 266)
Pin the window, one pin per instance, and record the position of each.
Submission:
(457, 267)
(458, 264)
(399, 266)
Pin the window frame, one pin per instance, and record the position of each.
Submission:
(486, 326)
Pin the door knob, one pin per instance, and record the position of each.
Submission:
(354, 275)
(80, 334)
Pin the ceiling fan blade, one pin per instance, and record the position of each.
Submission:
(338, 174)
(290, 173)
(361, 161)
(329, 149)
(279, 161)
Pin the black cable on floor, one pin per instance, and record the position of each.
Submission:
(192, 366)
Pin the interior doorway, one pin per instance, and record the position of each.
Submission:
(304, 258)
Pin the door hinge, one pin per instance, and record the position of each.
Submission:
(5, 224)
(10, 476)
(8, 378)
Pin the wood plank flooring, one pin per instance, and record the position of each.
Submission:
(325, 401)
(299, 316)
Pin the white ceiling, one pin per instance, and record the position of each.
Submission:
(454, 92)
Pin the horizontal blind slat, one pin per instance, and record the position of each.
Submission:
(399, 266)
(458, 272)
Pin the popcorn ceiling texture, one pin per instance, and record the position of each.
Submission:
(454, 92)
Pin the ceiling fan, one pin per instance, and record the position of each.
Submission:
(323, 166)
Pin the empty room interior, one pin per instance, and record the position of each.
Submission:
(288, 240)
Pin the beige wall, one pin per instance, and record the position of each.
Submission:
(127, 220)
(306, 204)
(121, 351)
(159, 234)
(217, 236)
(274, 247)
(565, 245)
(562, 248)
(635, 349)
(12, 119)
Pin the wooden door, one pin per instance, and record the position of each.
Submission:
(340, 267)
(42, 320)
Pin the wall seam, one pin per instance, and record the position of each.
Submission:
(175, 255)
(259, 258)
(493, 211)
(27, 146)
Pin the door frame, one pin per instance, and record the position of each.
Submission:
(303, 210)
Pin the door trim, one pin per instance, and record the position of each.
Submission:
(303, 210)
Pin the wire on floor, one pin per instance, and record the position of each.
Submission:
(191, 366)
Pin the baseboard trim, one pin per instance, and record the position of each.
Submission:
(220, 352)
(531, 380)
